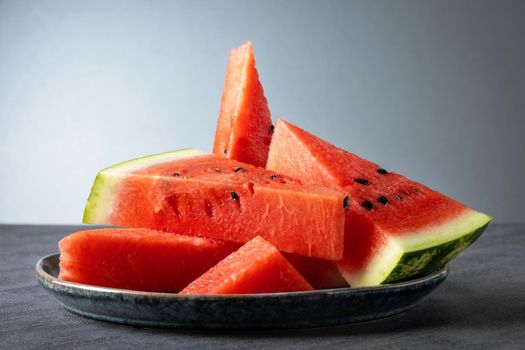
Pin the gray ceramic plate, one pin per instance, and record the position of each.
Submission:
(256, 311)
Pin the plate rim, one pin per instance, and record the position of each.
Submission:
(53, 282)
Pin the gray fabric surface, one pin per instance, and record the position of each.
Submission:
(480, 305)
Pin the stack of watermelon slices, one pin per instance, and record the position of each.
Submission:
(273, 209)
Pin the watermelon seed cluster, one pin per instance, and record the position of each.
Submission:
(383, 200)
(346, 202)
(361, 181)
(235, 196)
(367, 205)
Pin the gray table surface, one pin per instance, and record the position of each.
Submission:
(480, 305)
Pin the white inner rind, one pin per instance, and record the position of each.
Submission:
(379, 268)
(100, 202)
(453, 229)
(387, 258)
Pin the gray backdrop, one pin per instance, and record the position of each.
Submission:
(432, 89)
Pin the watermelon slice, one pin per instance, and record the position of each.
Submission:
(257, 267)
(244, 129)
(395, 228)
(211, 196)
(138, 259)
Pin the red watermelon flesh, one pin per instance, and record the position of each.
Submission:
(257, 267)
(215, 197)
(321, 274)
(138, 259)
(361, 179)
(244, 128)
(389, 218)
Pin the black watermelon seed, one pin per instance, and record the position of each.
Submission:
(218, 170)
(225, 151)
(240, 170)
(382, 171)
(367, 205)
(235, 196)
(272, 128)
(346, 202)
(383, 200)
(176, 174)
(361, 181)
(273, 177)
(398, 197)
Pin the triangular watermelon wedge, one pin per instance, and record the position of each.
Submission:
(395, 228)
(244, 129)
(257, 267)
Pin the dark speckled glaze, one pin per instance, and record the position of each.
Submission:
(256, 311)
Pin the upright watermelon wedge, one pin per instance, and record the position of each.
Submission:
(244, 129)
(395, 228)
(210, 196)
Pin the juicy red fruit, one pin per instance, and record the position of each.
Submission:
(137, 259)
(244, 129)
(211, 199)
(257, 267)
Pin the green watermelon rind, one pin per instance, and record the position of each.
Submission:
(408, 256)
(107, 181)
(423, 262)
